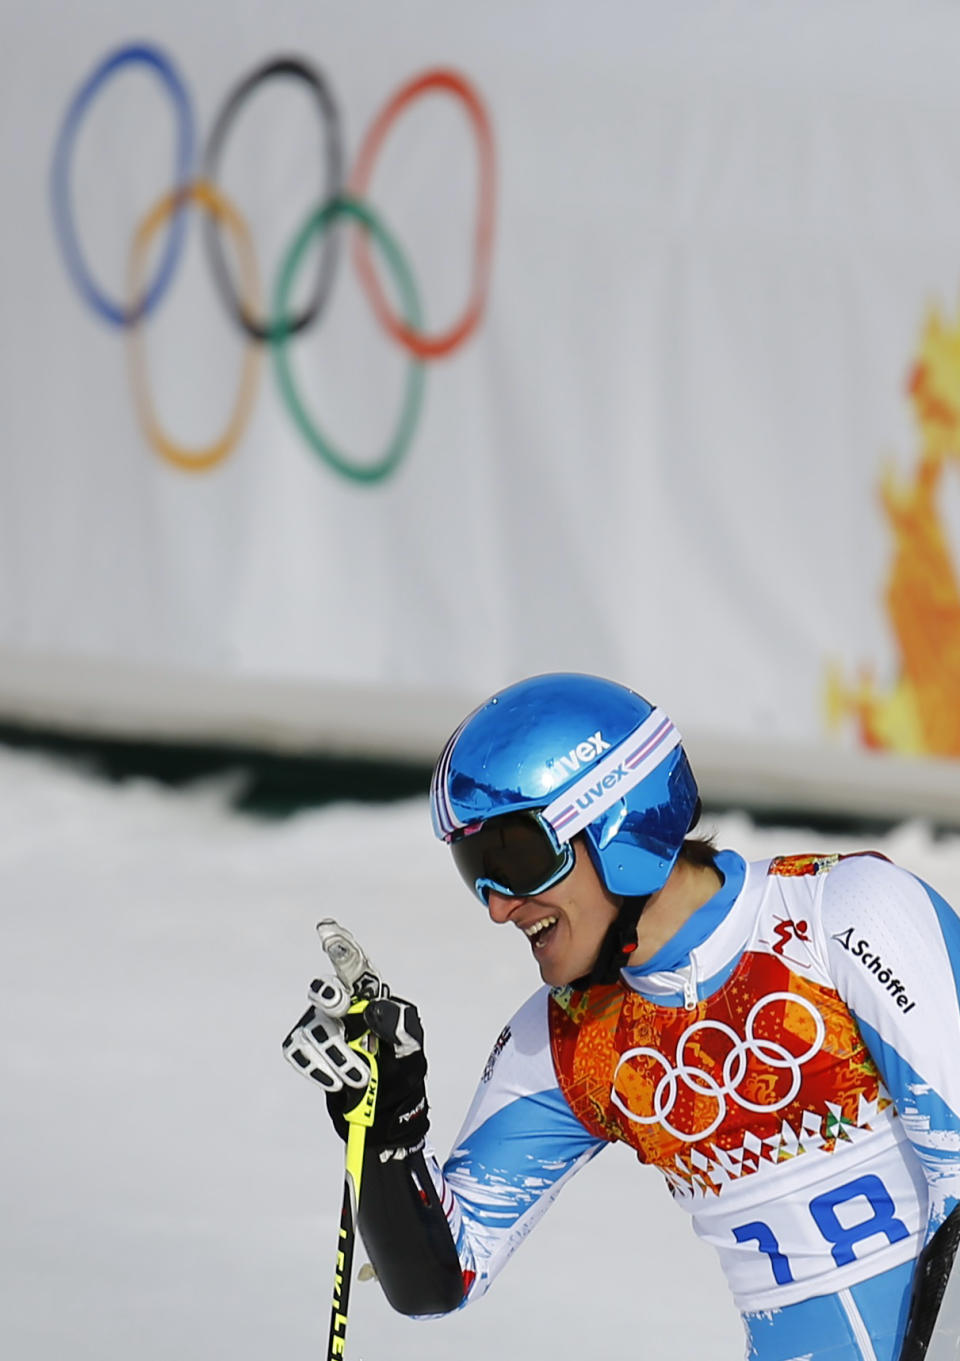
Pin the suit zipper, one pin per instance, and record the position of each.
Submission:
(860, 1332)
(690, 987)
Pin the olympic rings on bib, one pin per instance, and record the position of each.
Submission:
(701, 1083)
(279, 324)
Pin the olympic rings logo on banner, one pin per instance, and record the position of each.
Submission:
(700, 1082)
(341, 197)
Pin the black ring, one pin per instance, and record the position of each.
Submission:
(277, 66)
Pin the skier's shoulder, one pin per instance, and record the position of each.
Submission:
(838, 878)
(864, 885)
(524, 1040)
(825, 892)
(531, 1016)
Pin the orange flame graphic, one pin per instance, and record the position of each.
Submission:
(920, 715)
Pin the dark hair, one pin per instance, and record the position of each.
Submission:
(700, 851)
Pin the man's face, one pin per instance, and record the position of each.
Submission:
(573, 917)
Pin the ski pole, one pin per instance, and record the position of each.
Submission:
(357, 973)
(359, 1120)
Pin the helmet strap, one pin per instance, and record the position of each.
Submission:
(617, 945)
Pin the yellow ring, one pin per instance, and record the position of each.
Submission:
(212, 200)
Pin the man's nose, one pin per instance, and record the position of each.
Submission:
(500, 908)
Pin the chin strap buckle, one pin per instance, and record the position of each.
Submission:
(617, 946)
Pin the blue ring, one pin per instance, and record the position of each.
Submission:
(76, 265)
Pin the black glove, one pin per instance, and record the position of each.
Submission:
(319, 1047)
(400, 1120)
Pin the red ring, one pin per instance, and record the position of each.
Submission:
(425, 346)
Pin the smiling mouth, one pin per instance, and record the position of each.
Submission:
(539, 933)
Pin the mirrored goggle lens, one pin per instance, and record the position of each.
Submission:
(513, 855)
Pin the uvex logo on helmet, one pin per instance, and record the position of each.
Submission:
(579, 755)
(593, 792)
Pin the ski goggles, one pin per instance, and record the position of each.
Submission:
(517, 855)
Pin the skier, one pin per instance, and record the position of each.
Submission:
(780, 1038)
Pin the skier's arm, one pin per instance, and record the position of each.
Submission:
(933, 1326)
(437, 1239)
(401, 1220)
(893, 945)
(518, 1147)
(407, 1235)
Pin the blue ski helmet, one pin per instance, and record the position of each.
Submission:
(582, 756)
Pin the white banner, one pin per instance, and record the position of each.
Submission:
(634, 349)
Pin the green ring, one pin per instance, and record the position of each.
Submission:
(316, 224)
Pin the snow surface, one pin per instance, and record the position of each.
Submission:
(172, 1189)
